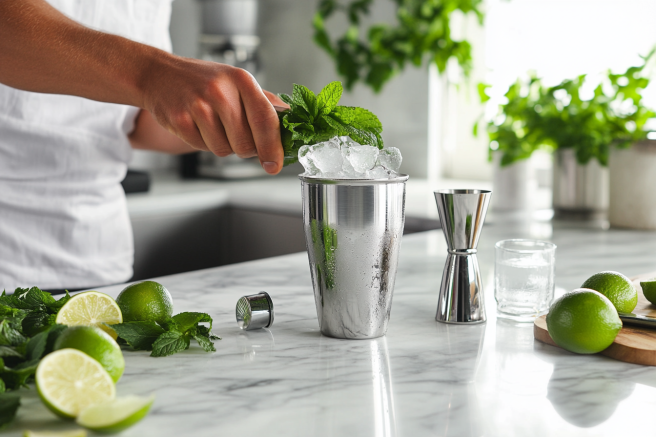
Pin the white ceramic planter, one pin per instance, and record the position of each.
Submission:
(633, 186)
(579, 191)
(513, 185)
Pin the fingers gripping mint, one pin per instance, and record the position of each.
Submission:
(313, 119)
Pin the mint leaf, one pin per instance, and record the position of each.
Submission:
(366, 120)
(188, 320)
(286, 98)
(17, 377)
(9, 403)
(37, 298)
(42, 343)
(55, 306)
(10, 352)
(35, 322)
(139, 335)
(10, 334)
(170, 343)
(205, 343)
(329, 97)
(306, 99)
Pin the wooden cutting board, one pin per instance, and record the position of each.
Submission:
(632, 345)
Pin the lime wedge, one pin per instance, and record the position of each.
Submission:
(115, 415)
(69, 381)
(76, 433)
(91, 308)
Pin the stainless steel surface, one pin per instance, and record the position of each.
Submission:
(579, 191)
(254, 311)
(462, 214)
(638, 320)
(353, 231)
(229, 17)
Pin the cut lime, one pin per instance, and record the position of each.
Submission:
(115, 415)
(91, 308)
(69, 381)
(76, 433)
(96, 343)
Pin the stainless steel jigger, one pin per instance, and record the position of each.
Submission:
(462, 213)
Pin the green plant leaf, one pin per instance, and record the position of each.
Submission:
(169, 343)
(9, 403)
(329, 97)
(139, 335)
(303, 97)
(188, 320)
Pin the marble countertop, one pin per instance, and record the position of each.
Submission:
(423, 378)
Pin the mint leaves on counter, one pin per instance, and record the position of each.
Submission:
(169, 337)
(312, 119)
(27, 333)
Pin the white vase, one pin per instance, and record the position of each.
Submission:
(579, 191)
(633, 186)
(513, 185)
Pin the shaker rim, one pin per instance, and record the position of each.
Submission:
(337, 181)
(462, 191)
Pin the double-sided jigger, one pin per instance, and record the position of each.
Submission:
(254, 311)
(462, 213)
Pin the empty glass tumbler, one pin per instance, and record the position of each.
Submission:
(524, 278)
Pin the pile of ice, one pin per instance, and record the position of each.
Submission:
(343, 158)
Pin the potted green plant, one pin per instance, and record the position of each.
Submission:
(374, 55)
(581, 130)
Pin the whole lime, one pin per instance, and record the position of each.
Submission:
(96, 343)
(145, 302)
(649, 290)
(616, 287)
(583, 321)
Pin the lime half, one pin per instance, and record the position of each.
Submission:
(76, 433)
(115, 415)
(68, 381)
(91, 308)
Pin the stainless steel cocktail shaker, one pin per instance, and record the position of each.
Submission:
(353, 230)
(462, 213)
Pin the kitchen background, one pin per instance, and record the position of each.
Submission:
(428, 116)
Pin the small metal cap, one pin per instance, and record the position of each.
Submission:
(254, 311)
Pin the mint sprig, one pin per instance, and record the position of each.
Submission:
(169, 337)
(312, 119)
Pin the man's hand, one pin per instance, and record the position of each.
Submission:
(209, 106)
(215, 107)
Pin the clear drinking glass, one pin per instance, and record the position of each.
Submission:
(524, 278)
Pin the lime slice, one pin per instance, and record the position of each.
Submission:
(115, 415)
(76, 433)
(91, 308)
(69, 381)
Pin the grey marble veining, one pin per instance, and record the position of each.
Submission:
(422, 379)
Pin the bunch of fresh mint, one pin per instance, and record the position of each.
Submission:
(312, 119)
(169, 337)
(27, 333)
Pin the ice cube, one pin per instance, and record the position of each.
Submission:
(390, 158)
(362, 158)
(305, 158)
(378, 172)
(326, 157)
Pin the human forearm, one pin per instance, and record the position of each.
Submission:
(42, 50)
(150, 135)
(210, 106)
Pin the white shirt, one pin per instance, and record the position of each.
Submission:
(63, 216)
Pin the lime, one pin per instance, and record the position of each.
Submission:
(649, 290)
(583, 321)
(91, 308)
(616, 287)
(76, 433)
(115, 415)
(69, 381)
(96, 343)
(145, 301)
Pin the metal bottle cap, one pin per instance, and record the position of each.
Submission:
(254, 311)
